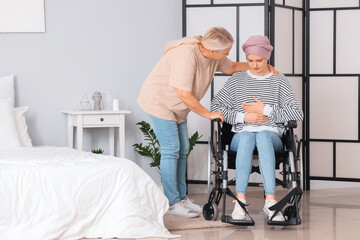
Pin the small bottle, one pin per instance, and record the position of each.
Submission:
(116, 106)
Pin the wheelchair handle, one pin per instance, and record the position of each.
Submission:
(217, 120)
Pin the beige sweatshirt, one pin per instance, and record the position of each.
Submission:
(184, 68)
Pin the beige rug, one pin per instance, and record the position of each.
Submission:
(175, 223)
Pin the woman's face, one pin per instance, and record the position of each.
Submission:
(217, 55)
(257, 65)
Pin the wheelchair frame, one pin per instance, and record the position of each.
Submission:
(288, 205)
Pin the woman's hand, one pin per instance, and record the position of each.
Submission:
(255, 118)
(214, 115)
(256, 107)
(194, 105)
(273, 70)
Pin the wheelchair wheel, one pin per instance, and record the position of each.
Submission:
(210, 211)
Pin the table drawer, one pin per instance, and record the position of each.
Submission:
(101, 119)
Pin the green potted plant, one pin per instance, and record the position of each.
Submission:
(97, 151)
(152, 147)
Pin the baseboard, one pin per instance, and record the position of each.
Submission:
(320, 184)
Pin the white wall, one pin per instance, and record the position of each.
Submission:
(89, 45)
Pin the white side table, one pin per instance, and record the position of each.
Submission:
(97, 119)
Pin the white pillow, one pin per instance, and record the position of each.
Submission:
(8, 133)
(7, 88)
(21, 126)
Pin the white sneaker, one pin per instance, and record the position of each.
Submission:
(181, 210)
(188, 203)
(269, 213)
(238, 212)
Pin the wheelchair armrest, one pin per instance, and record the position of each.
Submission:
(291, 124)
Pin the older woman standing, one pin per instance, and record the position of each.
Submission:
(173, 89)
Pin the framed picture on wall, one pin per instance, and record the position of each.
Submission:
(22, 16)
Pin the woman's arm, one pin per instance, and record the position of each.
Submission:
(223, 102)
(193, 104)
(237, 67)
(289, 107)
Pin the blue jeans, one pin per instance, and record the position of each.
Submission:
(267, 143)
(174, 146)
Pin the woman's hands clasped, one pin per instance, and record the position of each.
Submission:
(254, 112)
(256, 107)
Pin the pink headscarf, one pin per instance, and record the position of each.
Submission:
(258, 45)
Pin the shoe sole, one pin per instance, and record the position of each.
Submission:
(238, 218)
(192, 215)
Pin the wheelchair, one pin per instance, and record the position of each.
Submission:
(224, 159)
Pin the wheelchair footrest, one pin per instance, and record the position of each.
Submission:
(289, 206)
(229, 219)
(292, 221)
(293, 195)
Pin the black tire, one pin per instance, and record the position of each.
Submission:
(210, 211)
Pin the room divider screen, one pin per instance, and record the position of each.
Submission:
(315, 46)
(332, 92)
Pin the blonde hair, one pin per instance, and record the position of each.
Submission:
(216, 38)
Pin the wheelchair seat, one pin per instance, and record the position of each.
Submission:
(280, 157)
(225, 159)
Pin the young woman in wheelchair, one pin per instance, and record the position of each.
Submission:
(257, 103)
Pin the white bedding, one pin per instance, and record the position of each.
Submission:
(61, 193)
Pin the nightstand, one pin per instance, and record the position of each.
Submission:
(97, 119)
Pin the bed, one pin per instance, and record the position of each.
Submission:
(61, 193)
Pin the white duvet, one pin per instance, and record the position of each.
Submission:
(61, 193)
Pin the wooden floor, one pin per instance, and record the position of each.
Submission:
(327, 214)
